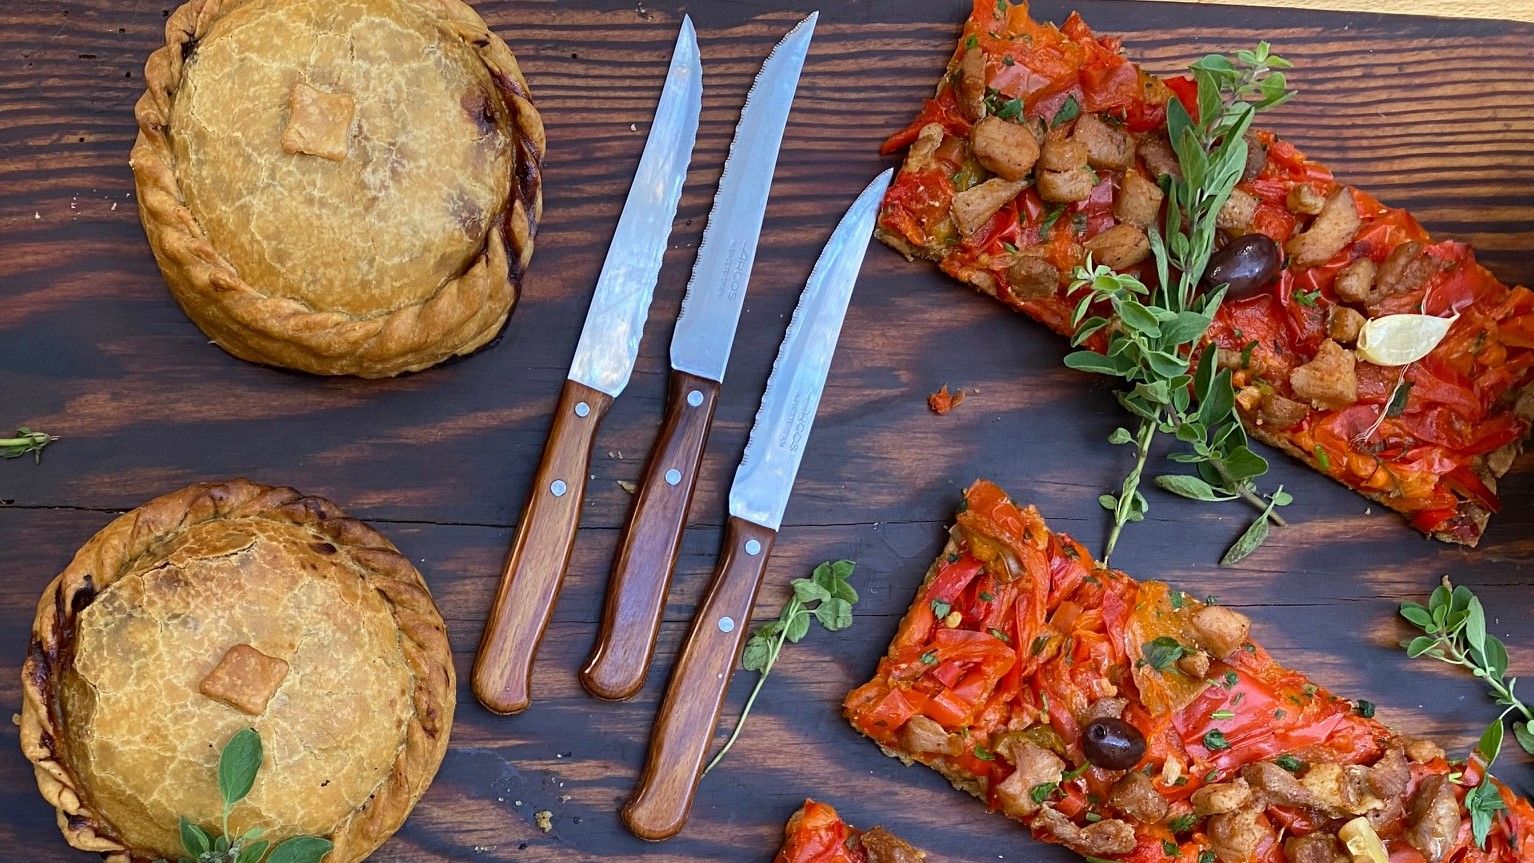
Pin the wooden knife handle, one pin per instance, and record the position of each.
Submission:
(540, 553)
(636, 594)
(684, 728)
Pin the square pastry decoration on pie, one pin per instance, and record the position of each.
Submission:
(339, 186)
(225, 607)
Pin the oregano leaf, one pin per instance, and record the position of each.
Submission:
(238, 764)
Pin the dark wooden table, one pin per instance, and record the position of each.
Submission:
(1434, 115)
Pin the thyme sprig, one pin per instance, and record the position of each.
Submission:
(26, 442)
(827, 597)
(1454, 631)
(238, 764)
(1154, 332)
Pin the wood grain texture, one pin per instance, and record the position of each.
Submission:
(92, 348)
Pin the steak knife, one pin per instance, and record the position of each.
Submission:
(700, 350)
(604, 359)
(684, 728)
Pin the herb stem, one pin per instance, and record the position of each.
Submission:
(1453, 655)
(1131, 489)
(1245, 491)
(794, 606)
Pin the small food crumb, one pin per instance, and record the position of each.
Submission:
(627, 486)
(942, 401)
(544, 819)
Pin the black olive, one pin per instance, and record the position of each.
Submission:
(1112, 744)
(1245, 266)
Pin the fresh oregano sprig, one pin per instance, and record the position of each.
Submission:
(1154, 333)
(238, 764)
(826, 596)
(1454, 631)
(1484, 801)
(26, 442)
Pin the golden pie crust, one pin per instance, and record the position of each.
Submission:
(339, 186)
(221, 607)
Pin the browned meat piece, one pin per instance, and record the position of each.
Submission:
(1304, 199)
(1195, 664)
(1329, 232)
(1355, 284)
(1234, 836)
(1106, 838)
(1005, 149)
(1063, 187)
(1032, 278)
(1062, 154)
(1033, 765)
(1237, 213)
(1343, 324)
(1107, 146)
(972, 84)
(1388, 777)
(1221, 797)
(1256, 157)
(1434, 818)
(1276, 784)
(973, 208)
(1136, 796)
(1104, 708)
(924, 148)
(924, 736)
(1138, 201)
(1120, 247)
(1406, 269)
(1159, 157)
(885, 847)
(1221, 630)
(1422, 751)
(1314, 848)
(1330, 380)
(1281, 413)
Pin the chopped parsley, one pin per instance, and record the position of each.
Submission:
(1182, 823)
(929, 658)
(1214, 740)
(1039, 644)
(1289, 763)
(1162, 652)
(986, 596)
(940, 609)
(1307, 298)
(1322, 459)
(1000, 636)
(1231, 679)
(982, 753)
(1364, 708)
(1170, 849)
(1068, 112)
(1398, 399)
(1223, 714)
(1051, 216)
(1206, 857)
(1042, 792)
(1010, 109)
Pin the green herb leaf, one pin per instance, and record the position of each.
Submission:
(1183, 823)
(1214, 740)
(253, 851)
(1490, 744)
(194, 839)
(982, 753)
(1254, 536)
(1170, 849)
(301, 849)
(1307, 298)
(26, 442)
(1398, 398)
(1190, 487)
(238, 765)
(1289, 763)
(1524, 735)
(1069, 111)
(757, 654)
(1162, 652)
(940, 609)
(1364, 708)
(1483, 801)
(929, 658)
(1040, 793)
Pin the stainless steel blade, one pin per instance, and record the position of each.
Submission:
(766, 473)
(604, 357)
(711, 309)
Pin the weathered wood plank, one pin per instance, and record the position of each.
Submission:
(92, 348)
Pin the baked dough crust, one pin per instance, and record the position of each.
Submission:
(331, 769)
(364, 323)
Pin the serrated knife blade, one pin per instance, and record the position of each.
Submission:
(604, 359)
(609, 343)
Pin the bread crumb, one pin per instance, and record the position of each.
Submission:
(942, 401)
(627, 486)
(544, 819)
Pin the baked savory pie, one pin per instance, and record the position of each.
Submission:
(229, 606)
(339, 186)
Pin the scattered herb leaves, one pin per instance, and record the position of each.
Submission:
(1162, 652)
(1070, 110)
(26, 442)
(827, 597)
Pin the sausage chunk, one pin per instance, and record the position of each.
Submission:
(1234, 836)
(1032, 278)
(1330, 380)
(1138, 201)
(924, 736)
(1106, 838)
(1062, 154)
(972, 208)
(1276, 784)
(1033, 765)
(1343, 324)
(1281, 413)
(1120, 247)
(1107, 146)
(1406, 269)
(1005, 149)
(1329, 232)
(1355, 284)
(1221, 797)
(1063, 187)
(1159, 157)
(972, 84)
(1221, 630)
(924, 148)
(1314, 848)
(1236, 215)
(885, 847)
(1434, 818)
(1256, 157)
(1136, 796)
